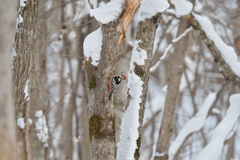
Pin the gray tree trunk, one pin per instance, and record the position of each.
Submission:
(174, 80)
(38, 90)
(23, 43)
(7, 125)
(101, 112)
(146, 31)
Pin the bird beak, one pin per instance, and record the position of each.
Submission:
(123, 77)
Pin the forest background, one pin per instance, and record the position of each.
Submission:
(180, 100)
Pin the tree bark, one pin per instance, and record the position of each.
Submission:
(146, 31)
(7, 125)
(174, 80)
(23, 43)
(101, 113)
(37, 87)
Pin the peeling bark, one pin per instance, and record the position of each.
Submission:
(127, 16)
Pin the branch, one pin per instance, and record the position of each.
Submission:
(173, 43)
(224, 56)
(222, 131)
(90, 4)
(190, 127)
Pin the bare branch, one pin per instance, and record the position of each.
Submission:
(173, 43)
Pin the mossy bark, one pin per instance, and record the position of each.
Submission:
(101, 112)
(146, 31)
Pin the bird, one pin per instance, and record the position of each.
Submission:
(114, 82)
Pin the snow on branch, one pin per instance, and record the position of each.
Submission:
(227, 52)
(174, 42)
(222, 131)
(182, 7)
(193, 125)
(225, 56)
(110, 12)
(150, 8)
(130, 123)
(92, 46)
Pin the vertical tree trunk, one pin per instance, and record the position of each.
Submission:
(169, 116)
(101, 121)
(23, 44)
(7, 125)
(38, 91)
(146, 31)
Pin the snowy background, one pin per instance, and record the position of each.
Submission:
(208, 107)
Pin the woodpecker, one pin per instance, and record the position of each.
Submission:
(115, 81)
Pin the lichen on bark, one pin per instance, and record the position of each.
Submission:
(95, 123)
(92, 83)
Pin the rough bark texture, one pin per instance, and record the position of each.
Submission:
(101, 113)
(169, 115)
(84, 141)
(7, 131)
(218, 59)
(23, 45)
(146, 31)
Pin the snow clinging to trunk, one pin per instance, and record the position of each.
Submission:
(130, 123)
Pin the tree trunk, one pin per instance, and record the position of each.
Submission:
(146, 31)
(23, 44)
(7, 125)
(174, 80)
(101, 113)
(38, 90)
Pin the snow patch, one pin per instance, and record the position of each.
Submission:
(41, 127)
(150, 8)
(182, 7)
(164, 88)
(110, 12)
(92, 46)
(130, 124)
(216, 111)
(26, 90)
(22, 3)
(21, 124)
(138, 55)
